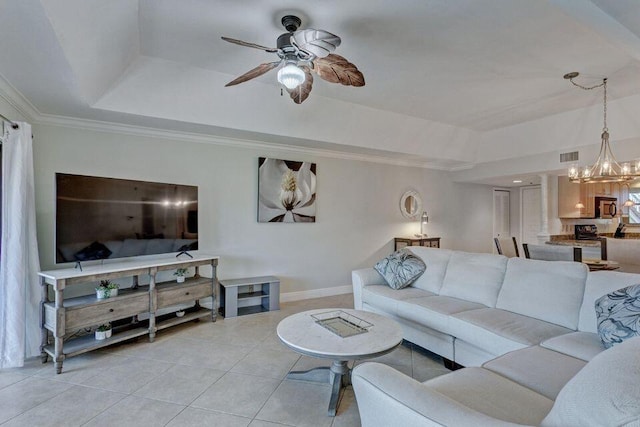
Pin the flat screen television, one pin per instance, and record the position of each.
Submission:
(107, 218)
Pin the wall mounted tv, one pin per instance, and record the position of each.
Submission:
(107, 218)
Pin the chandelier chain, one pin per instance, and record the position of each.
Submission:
(603, 84)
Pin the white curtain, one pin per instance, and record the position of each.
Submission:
(19, 261)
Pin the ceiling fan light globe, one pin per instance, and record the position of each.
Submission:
(291, 76)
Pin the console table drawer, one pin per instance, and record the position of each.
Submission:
(180, 294)
(102, 313)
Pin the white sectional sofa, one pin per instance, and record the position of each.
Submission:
(472, 307)
(525, 329)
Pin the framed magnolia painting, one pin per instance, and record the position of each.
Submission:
(286, 191)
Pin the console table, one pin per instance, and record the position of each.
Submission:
(401, 242)
(67, 318)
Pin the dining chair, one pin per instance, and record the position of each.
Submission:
(507, 247)
(626, 252)
(552, 252)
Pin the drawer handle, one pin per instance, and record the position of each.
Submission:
(111, 310)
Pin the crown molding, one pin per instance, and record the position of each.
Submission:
(17, 101)
(32, 115)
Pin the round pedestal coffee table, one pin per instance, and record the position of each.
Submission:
(373, 336)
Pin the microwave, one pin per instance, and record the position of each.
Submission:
(606, 207)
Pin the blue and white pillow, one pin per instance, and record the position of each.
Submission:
(618, 315)
(400, 269)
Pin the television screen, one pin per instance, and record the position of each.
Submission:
(106, 218)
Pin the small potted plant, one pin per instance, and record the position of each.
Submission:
(102, 292)
(112, 286)
(180, 273)
(103, 331)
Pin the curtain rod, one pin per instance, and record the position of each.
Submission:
(13, 124)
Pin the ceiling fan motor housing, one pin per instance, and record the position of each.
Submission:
(284, 42)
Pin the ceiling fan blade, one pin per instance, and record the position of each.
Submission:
(256, 72)
(315, 42)
(302, 91)
(247, 44)
(336, 69)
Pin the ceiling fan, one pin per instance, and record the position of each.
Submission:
(301, 53)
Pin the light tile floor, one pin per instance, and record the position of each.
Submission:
(230, 373)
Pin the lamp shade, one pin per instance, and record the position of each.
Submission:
(291, 76)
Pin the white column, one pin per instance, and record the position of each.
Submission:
(543, 235)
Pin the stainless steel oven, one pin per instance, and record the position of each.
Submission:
(586, 232)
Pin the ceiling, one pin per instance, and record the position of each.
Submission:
(438, 72)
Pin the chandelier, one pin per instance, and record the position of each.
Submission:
(606, 168)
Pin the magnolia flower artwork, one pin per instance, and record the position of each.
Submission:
(287, 191)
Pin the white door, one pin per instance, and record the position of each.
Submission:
(501, 219)
(530, 214)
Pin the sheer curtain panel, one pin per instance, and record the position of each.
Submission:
(19, 262)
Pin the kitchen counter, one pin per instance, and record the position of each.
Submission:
(573, 242)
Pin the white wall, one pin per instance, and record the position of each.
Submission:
(471, 217)
(358, 204)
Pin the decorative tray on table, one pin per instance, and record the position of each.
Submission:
(342, 323)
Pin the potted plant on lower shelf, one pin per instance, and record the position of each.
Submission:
(102, 292)
(112, 286)
(180, 273)
(103, 331)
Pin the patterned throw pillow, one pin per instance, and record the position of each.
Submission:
(618, 315)
(400, 269)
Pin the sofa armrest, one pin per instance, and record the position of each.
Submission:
(387, 397)
(362, 278)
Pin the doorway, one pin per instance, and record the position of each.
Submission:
(530, 214)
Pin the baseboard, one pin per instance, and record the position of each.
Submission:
(315, 293)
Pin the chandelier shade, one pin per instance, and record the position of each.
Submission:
(606, 168)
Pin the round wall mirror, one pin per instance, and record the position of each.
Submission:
(411, 205)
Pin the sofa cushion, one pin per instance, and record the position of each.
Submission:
(382, 296)
(501, 331)
(133, 247)
(547, 290)
(434, 311)
(582, 345)
(436, 261)
(604, 393)
(618, 315)
(600, 283)
(159, 246)
(542, 370)
(400, 269)
(115, 247)
(474, 277)
(493, 395)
